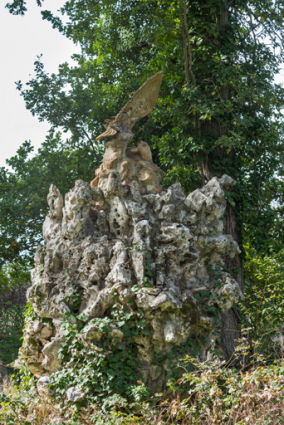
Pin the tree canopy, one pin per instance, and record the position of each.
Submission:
(219, 109)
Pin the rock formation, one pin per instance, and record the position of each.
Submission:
(124, 239)
(107, 241)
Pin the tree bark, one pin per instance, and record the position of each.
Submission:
(230, 332)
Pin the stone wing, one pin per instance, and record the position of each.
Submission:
(141, 104)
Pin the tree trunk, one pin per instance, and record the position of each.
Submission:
(230, 332)
(230, 319)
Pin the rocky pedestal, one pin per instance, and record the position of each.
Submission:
(161, 253)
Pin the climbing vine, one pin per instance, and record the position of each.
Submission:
(107, 366)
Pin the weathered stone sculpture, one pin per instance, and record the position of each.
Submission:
(148, 247)
(133, 164)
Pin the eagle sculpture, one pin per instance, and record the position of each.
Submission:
(133, 164)
(141, 104)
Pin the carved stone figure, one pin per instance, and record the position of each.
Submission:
(133, 164)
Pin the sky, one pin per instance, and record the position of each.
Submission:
(22, 39)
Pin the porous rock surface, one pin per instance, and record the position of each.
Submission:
(108, 240)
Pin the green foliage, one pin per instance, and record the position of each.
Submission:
(219, 110)
(14, 281)
(264, 305)
(23, 191)
(8, 410)
(218, 395)
(107, 367)
(18, 7)
(209, 394)
(26, 380)
(11, 326)
(15, 399)
(31, 315)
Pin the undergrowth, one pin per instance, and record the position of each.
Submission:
(212, 394)
(207, 393)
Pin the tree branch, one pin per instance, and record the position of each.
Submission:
(187, 45)
(88, 137)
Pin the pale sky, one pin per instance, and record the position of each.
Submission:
(22, 39)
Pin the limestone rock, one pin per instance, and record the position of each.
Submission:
(51, 361)
(117, 244)
(76, 395)
(43, 386)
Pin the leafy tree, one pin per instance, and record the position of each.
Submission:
(18, 7)
(23, 191)
(219, 108)
(264, 305)
(14, 282)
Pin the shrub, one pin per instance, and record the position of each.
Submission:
(212, 394)
(264, 301)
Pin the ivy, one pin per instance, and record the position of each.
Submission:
(109, 366)
(31, 315)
